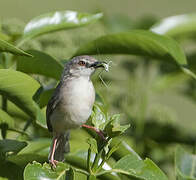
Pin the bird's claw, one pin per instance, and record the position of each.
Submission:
(53, 163)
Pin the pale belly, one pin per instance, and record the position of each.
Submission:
(75, 107)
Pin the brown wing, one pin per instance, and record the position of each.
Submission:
(52, 104)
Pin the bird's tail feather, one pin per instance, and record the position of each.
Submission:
(62, 146)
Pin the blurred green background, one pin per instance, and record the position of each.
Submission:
(26, 9)
(160, 108)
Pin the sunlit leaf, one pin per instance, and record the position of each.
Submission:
(175, 26)
(93, 144)
(57, 21)
(133, 166)
(98, 117)
(40, 63)
(113, 128)
(76, 143)
(23, 159)
(20, 88)
(136, 42)
(36, 171)
(113, 149)
(15, 111)
(6, 119)
(79, 160)
(7, 47)
(185, 164)
(37, 147)
(125, 148)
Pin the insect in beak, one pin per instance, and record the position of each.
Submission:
(98, 64)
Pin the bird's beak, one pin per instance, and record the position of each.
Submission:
(98, 64)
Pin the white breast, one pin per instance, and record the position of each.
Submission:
(76, 105)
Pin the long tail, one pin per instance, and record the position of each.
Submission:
(62, 146)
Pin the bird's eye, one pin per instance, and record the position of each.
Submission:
(81, 63)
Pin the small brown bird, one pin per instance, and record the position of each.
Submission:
(71, 104)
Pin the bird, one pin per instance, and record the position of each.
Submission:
(71, 104)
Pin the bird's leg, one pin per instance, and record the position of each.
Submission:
(52, 161)
(98, 131)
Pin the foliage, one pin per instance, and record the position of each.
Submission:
(31, 62)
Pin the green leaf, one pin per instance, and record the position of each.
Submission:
(41, 119)
(188, 72)
(36, 171)
(70, 175)
(137, 42)
(45, 96)
(135, 167)
(10, 170)
(176, 26)
(98, 117)
(125, 147)
(20, 88)
(15, 111)
(93, 144)
(7, 47)
(23, 159)
(113, 149)
(37, 147)
(40, 63)
(5, 118)
(92, 177)
(11, 146)
(58, 20)
(185, 164)
(113, 128)
(78, 160)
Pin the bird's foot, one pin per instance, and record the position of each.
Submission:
(98, 131)
(53, 163)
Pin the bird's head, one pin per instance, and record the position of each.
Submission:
(83, 66)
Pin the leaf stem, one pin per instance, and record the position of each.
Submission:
(88, 161)
(60, 175)
(101, 165)
(82, 171)
(96, 160)
(113, 170)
